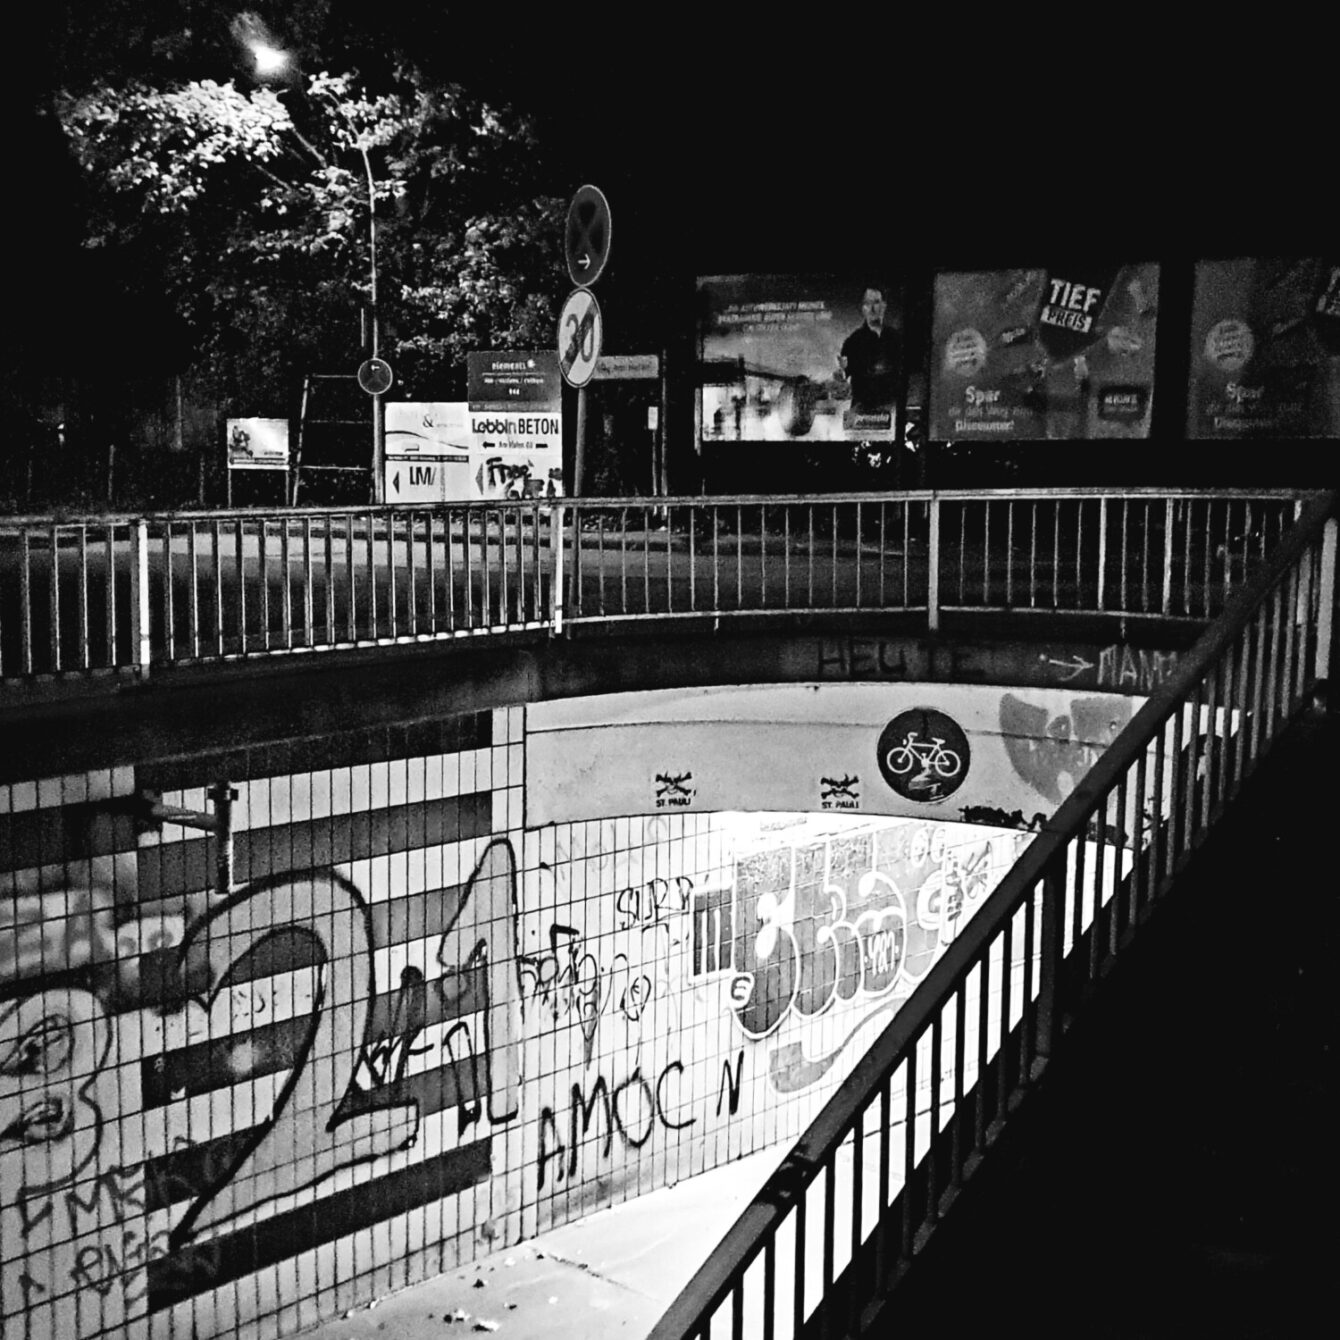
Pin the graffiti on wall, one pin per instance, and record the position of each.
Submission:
(856, 920)
(155, 1110)
(1051, 753)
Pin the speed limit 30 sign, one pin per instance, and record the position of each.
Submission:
(579, 332)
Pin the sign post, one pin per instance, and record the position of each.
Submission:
(375, 377)
(586, 248)
(580, 331)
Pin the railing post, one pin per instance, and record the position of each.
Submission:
(1167, 554)
(933, 567)
(1326, 604)
(1102, 552)
(556, 580)
(1052, 956)
(139, 595)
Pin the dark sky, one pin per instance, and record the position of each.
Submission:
(828, 140)
(865, 140)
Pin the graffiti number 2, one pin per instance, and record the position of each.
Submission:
(307, 1135)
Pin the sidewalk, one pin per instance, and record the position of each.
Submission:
(612, 1273)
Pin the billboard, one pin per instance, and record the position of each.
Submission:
(796, 358)
(258, 444)
(445, 452)
(1034, 354)
(1265, 349)
(513, 379)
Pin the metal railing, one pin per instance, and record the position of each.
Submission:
(824, 1243)
(109, 593)
(127, 593)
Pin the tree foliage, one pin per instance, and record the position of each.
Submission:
(247, 210)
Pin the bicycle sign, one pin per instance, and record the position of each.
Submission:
(923, 755)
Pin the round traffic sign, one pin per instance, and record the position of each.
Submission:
(375, 376)
(586, 239)
(579, 334)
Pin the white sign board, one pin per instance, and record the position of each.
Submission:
(444, 452)
(426, 429)
(428, 479)
(258, 444)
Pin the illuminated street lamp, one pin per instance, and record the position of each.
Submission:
(273, 62)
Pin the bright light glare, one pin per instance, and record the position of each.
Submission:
(269, 60)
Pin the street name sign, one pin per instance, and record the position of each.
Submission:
(627, 367)
(579, 335)
(586, 238)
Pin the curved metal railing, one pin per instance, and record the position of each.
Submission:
(94, 594)
(828, 1237)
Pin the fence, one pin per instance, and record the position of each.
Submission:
(115, 593)
(866, 1185)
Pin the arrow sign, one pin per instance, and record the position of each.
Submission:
(579, 337)
(587, 235)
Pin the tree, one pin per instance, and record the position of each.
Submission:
(250, 207)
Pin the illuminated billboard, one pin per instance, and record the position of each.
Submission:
(1035, 354)
(795, 358)
(1265, 349)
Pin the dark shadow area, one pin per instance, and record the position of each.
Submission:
(1175, 1174)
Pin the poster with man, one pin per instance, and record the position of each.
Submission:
(800, 358)
(1061, 353)
(1265, 349)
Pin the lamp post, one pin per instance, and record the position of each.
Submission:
(271, 63)
(378, 422)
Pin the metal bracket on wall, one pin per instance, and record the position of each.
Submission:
(148, 808)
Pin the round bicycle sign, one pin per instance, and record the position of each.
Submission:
(923, 755)
(579, 332)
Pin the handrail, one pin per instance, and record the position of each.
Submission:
(45, 520)
(1230, 697)
(127, 592)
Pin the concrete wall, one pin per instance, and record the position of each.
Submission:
(418, 1029)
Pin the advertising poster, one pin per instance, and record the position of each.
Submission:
(513, 380)
(1036, 354)
(1265, 349)
(445, 452)
(791, 358)
(258, 444)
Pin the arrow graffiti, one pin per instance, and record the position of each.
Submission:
(1074, 666)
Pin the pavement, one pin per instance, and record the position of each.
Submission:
(611, 1274)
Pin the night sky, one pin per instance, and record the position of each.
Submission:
(734, 139)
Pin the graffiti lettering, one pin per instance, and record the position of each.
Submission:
(865, 658)
(631, 1110)
(847, 919)
(1134, 668)
(570, 982)
(648, 902)
(729, 1088)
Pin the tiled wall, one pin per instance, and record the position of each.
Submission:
(415, 1031)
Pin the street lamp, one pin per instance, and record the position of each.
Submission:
(272, 62)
